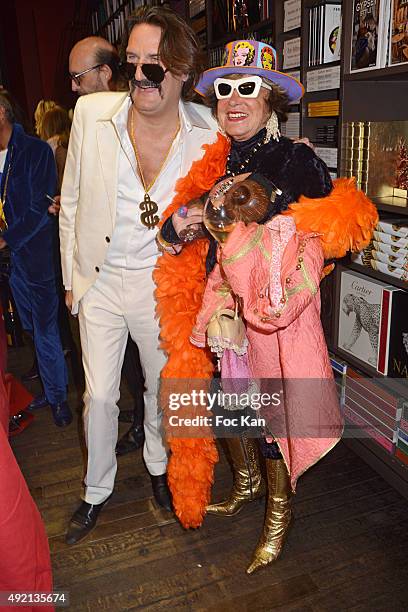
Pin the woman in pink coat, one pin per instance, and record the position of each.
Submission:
(274, 273)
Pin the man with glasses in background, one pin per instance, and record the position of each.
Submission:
(126, 152)
(94, 67)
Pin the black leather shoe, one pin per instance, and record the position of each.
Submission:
(83, 521)
(131, 441)
(62, 414)
(40, 401)
(32, 373)
(161, 492)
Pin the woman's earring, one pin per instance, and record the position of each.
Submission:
(272, 128)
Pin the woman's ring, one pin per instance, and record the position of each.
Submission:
(182, 212)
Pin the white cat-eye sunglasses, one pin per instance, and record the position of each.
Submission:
(248, 87)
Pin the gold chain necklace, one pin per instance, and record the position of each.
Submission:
(3, 222)
(149, 208)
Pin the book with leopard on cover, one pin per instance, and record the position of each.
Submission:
(359, 315)
(373, 323)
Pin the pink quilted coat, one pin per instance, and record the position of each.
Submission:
(275, 272)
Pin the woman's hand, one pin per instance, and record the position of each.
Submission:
(188, 221)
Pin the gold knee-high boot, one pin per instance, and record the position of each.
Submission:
(248, 481)
(278, 515)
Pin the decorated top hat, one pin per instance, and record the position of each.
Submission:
(253, 58)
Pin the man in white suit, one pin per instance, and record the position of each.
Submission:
(126, 152)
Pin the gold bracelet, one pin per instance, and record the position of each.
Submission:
(162, 242)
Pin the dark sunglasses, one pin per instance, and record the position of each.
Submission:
(152, 72)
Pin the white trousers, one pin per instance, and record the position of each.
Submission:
(120, 301)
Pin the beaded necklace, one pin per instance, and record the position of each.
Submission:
(244, 165)
(227, 182)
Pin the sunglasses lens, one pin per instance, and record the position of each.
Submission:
(128, 70)
(224, 89)
(246, 89)
(153, 72)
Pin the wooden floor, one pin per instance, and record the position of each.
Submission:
(347, 549)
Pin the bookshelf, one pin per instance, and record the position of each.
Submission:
(321, 79)
(227, 20)
(108, 17)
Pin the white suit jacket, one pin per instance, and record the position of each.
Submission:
(88, 197)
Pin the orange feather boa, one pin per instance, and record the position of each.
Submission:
(180, 284)
(345, 219)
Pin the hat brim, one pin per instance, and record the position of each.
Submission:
(294, 88)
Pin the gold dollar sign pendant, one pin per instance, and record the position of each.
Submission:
(148, 216)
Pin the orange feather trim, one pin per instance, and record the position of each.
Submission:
(180, 284)
(346, 218)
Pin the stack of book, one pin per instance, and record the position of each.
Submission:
(327, 108)
(324, 34)
(401, 451)
(374, 411)
(388, 251)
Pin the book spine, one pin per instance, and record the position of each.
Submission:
(403, 457)
(384, 332)
(374, 393)
(387, 432)
(372, 432)
(372, 409)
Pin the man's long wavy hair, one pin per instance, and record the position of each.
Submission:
(179, 47)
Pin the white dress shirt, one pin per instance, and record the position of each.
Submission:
(133, 245)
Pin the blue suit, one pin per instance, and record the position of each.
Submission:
(32, 237)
